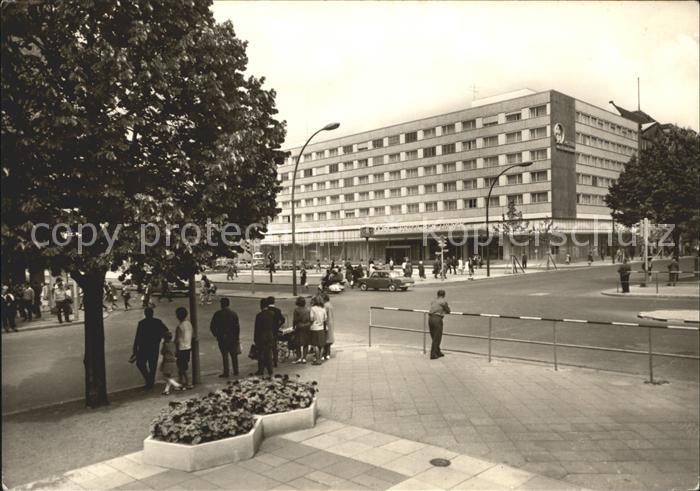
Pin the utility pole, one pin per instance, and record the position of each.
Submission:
(252, 266)
(196, 374)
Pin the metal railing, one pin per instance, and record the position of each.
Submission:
(554, 344)
(644, 281)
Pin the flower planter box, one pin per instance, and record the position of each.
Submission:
(203, 455)
(295, 420)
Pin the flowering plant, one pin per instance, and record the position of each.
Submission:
(275, 394)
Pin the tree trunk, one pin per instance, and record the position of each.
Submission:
(94, 361)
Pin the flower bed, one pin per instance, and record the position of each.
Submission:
(269, 395)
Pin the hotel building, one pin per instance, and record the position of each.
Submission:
(380, 193)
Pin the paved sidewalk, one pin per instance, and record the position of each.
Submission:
(590, 429)
(686, 316)
(679, 291)
(48, 321)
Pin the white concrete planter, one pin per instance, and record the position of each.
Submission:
(298, 419)
(203, 455)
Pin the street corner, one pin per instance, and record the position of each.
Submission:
(688, 316)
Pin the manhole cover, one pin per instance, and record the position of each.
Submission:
(440, 462)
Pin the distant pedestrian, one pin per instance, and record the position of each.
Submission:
(149, 332)
(436, 268)
(183, 343)
(302, 278)
(438, 309)
(318, 265)
(454, 265)
(276, 331)
(168, 366)
(231, 272)
(673, 269)
(470, 265)
(9, 310)
(421, 270)
(226, 329)
(330, 326)
(27, 302)
(205, 291)
(460, 266)
(624, 271)
(302, 324)
(126, 294)
(568, 258)
(349, 278)
(63, 300)
(590, 258)
(110, 297)
(318, 328)
(263, 337)
(271, 265)
(524, 261)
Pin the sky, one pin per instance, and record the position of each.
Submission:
(372, 64)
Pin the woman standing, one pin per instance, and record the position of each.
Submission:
(302, 325)
(183, 343)
(330, 323)
(318, 327)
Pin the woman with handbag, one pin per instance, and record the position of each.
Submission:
(318, 328)
(302, 324)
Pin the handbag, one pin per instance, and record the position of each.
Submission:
(253, 353)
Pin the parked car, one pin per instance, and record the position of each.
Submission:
(385, 280)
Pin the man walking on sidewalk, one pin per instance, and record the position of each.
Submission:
(149, 332)
(438, 309)
(263, 337)
(279, 322)
(227, 330)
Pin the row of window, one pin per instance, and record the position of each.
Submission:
(412, 136)
(594, 141)
(605, 125)
(413, 208)
(449, 186)
(428, 170)
(590, 180)
(427, 152)
(585, 159)
(590, 199)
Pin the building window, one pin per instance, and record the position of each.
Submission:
(540, 154)
(335, 199)
(538, 197)
(285, 218)
(516, 199)
(431, 206)
(395, 192)
(349, 197)
(393, 175)
(490, 123)
(469, 145)
(448, 148)
(394, 140)
(430, 188)
(429, 170)
(449, 186)
(448, 129)
(349, 214)
(307, 156)
(412, 155)
(540, 176)
(321, 186)
(515, 179)
(450, 205)
(494, 201)
(538, 111)
(378, 143)
(469, 184)
(362, 163)
(363, 180)
(364, 212)
(335, 215)
(307, 173)
(321, 154)
(469, 124)
(412, 190)
(333, 152)
(470, 203)
(514, 137)
(378, 160)
(536, 133)
(362, 146)
(469, 164)
(333, 184)
(429, 152)
(412, 172)
(490, 141)
(394, 157)
(411, 137)
(379, 211)
(363, 196)
(412, 208)
(514, 158)
(490, 180)
(309, 217)
(512, 117)
(332, 168)
(347, 149)
(378, 177)
(395, 210)
(348, 182)
(449, 167)
(428, 132)
(491, 161)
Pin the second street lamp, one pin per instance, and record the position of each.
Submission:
(488, 198)
(328, 127)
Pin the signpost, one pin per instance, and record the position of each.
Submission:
(367, 232)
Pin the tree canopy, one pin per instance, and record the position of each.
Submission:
(118, 114)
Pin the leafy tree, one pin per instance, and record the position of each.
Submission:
(512, 222)
(661, 184)
(123, 113)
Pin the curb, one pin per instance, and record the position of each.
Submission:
(661, 319)
(52, 326)
(610, 293)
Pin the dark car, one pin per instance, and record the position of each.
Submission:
(385, 280)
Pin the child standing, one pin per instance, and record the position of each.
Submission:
(168, 366)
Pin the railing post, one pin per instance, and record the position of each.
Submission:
(425, 328)
(369, 334)
(490, 326)
(657, 282)
(554, 345)
(651, 361)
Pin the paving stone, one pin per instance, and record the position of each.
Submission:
(304, 483)
(375, 439)
(198, 483)
(412, 484)
(441, 477)
(294, 451)
(478, 484)
(287, 472)
(349, 448)
(551, 470)
(347, 468)
(377, 456)
(372, 482)
(134, 469)
(506, 476)
(409, 465)
(539, 483)
(108, 481)
(140, 486)
(403, 446)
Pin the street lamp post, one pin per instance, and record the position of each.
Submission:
(488, 198)
(328, 127)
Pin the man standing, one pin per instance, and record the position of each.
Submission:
(673, 269)
(9, 310)
(226, 329)
(263, 337)
(63, 300)
(149, 332)
(624, 271)
(421, 270)
(438, 309)
(27, 302)
(279, 322)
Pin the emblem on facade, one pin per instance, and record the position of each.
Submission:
(559, 133)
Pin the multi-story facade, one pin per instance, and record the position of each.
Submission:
(418, 179)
